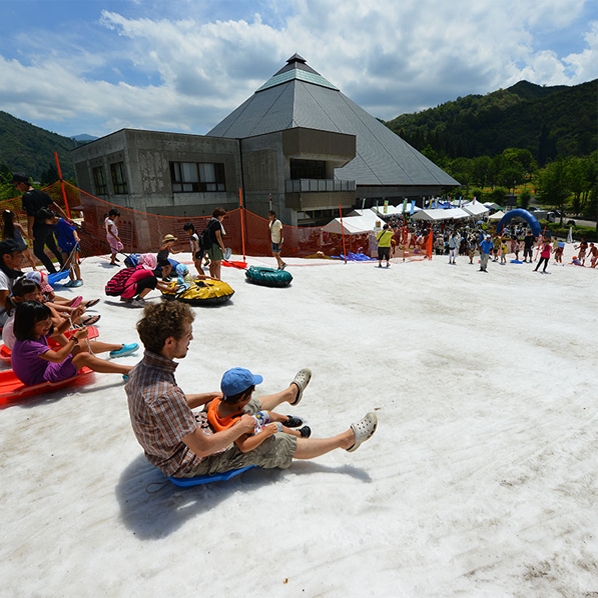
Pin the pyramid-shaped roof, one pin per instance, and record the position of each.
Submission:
(298, 96)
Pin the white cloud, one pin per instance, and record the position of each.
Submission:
(389, 57)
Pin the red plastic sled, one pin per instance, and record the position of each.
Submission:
(92, 332)
(12, 389)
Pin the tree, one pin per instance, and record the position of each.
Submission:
(553, 186)
(49, 176)
(480, 174)
(498, 195)
(525, 198)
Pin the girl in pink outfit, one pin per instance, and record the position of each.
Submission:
(141, 280)
(544, 256)
(112, 234)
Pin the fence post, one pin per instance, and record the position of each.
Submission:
(343, 232)
(242, 223)
(66, 203)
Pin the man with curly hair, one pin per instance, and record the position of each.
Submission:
(182, 443)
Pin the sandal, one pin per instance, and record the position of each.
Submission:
(293, 422)
(305, 431)
(76, 301)
(90, 321)
(363, 429)
(91, 303)
(301, 380)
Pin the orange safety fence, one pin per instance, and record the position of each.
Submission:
(142, 232)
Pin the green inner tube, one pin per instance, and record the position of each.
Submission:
(268, 277)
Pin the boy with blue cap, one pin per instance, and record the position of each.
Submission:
(237, 386)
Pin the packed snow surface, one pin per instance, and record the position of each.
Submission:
(480, 481)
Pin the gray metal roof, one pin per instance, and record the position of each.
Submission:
(295, 97)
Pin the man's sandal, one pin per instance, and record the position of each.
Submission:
(363, 429)
(301, 380)
(91, 303)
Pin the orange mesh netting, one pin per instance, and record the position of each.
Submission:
(246, 232)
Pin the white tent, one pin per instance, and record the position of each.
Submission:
(367, 215)
(458, 213)
(476, 209)
(433, 214)
(396, 210)
(352, 225)
(493, 206)
(496, 216)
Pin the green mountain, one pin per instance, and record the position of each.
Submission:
(548, 121)
(27, 148)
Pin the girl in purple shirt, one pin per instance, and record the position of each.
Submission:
(33, 362)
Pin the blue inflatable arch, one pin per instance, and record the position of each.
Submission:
(519, 213)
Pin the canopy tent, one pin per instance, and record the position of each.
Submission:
(395, 210)
(476, 209)
(352, 225)
(367, 215)
(458, 213)
(496, 216)
(434, 214)
(493, 206)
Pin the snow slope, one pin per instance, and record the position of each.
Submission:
(481, 480)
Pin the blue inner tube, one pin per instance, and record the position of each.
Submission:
(268, 277)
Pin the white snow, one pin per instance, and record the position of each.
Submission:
(480, 481)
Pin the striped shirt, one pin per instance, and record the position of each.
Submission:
(160, 415)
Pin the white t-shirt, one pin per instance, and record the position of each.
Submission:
(110, 223)
(5, 285)
(276, 231)
(8, 334)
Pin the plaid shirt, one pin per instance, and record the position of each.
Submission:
(160, 415)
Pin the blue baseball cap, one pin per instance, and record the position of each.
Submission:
(236, 380)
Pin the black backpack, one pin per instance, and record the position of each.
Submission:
(205, 239)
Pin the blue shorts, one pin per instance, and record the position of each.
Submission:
(276, 247)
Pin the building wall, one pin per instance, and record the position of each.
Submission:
(146, 156)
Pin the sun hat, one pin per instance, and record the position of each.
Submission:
(169, 238)
(41, 278)
(236, 380)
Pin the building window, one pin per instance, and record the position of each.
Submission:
(308, 169)
(190, 177)
(99, 180)
(119, 181)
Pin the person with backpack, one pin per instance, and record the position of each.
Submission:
(213, 234)
(41, 233)
(133, 284)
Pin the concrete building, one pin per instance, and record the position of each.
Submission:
(297, 144)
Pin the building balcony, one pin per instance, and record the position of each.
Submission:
(318, 186)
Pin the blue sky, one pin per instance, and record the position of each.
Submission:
(95, 67)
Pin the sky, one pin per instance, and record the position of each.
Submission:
(95, 67)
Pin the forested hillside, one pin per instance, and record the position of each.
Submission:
(27, 148)
(547, 121)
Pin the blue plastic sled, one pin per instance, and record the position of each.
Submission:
(208, 479)
(54, 278)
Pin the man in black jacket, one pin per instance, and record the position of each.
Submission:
(42, 233)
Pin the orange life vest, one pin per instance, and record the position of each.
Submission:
(218, 422)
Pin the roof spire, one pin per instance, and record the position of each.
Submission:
(296, 58)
